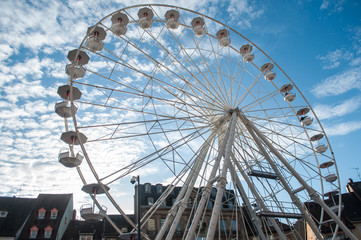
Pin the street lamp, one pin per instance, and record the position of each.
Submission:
(135, 179)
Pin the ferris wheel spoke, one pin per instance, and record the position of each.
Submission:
(190, 60)
(219, 72)
(161, 84)
(173, 103)
(179, 76)
(125, 171)
(293, 139)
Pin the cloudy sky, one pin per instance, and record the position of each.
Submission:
(317, 43)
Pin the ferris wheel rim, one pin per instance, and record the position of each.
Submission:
(163, 5)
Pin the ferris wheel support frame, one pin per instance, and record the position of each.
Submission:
(222, 181)
(257, 197)
(313, 195)
(172, 212)
(207, 189)
(185, 196)
(254, 218)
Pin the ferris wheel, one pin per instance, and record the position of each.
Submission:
(188, 102)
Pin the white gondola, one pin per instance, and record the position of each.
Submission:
(223, 38)
(172, 19)
(145, 18)
(245, 51)
(302, 111)
(289, 97)
(316, 137)
(119, 24)
(88, 213)
(198, 26)
(306, 121)
(78, 57)
(96, 35)
(94, 188)
(75, 71)
(286, 88)
(68, 161)
(270, 76)
(248, 57)
(71, 137)
(267, 67)
(321, 148)
(331, 178)
(64, 109)
(327, 164)
(64, 92)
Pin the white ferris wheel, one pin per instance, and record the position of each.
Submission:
(189, 102)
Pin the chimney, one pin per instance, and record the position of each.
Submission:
(74, 215)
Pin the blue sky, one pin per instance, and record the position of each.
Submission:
(317, 43)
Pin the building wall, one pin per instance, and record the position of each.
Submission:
(152, 191)
(68, 214)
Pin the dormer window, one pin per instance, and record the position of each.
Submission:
(34, 231)
(3, 214)
(53, 213)
(147, 188)
(41, 213)
(47, 232)
(159, 188)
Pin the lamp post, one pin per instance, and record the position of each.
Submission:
(135, 179)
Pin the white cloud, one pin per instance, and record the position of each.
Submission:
(343, 128)
(5, 51)
(339, 84)
(326, 111)
(332, 5)
(243, 8)
(356, 61)
(333, 59)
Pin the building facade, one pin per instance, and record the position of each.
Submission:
(149, 194)
(46, 217)
(350, 213)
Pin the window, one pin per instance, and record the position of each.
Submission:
(223, 226)
(151, 224)
(3, 214)
(147, 188)
(150, 201)
(53, 213)
(34, 231)
(234, 225)
(214, 192)
(162, 221)
(189, 202)
(159, 188)
(41, 213)
(86, 237)
(47, 232)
